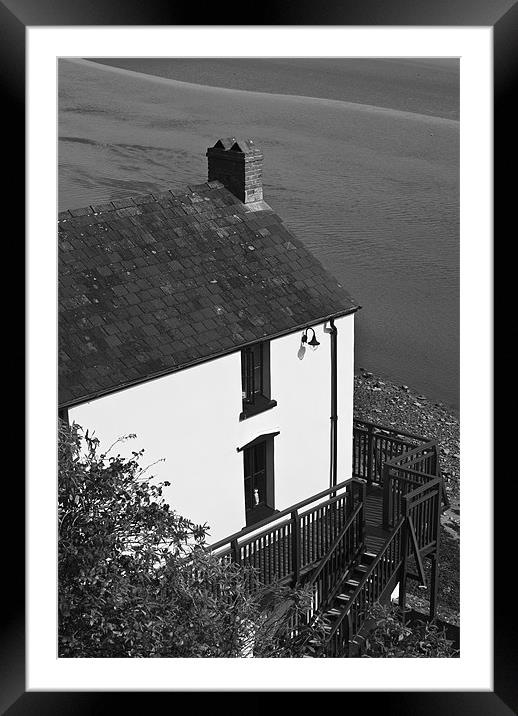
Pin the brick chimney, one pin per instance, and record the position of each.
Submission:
(238, 164)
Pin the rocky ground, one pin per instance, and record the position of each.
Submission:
(380, 401)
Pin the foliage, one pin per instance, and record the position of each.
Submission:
(137, 580)
(391, 638)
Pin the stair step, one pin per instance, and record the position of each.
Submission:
(370, 556)
(343, 597)
(333, 612)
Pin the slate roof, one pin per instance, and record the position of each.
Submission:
(155, 283)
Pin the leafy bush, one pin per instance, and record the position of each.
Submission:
(136, 579)
(391, 638)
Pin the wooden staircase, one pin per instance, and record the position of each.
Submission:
(353, 543)
(332, 614)
(402, 520)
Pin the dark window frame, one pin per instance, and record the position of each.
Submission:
(256, 379)
(259, 474)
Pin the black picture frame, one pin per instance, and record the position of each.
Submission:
(15, 16)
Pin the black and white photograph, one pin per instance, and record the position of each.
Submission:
(259, 402)
(258, 389)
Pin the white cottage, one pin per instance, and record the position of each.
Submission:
(199, 322)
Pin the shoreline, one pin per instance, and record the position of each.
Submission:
(394, 405)
(359, 107)
(398, 83)
(393, 384)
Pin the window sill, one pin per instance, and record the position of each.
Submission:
(259, 514)
(259, 407)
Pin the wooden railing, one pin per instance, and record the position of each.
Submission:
(407, 467)
(422, 508)
(287, 546)
(327, 579)
(406, 473)
(396, 460)
(380, 576)
(374, 445)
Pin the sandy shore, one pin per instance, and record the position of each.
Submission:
(423, 85)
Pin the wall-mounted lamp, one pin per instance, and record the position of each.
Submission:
(313, 342)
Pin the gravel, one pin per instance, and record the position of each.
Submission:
(381, 401)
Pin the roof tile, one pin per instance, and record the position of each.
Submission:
(151, 284)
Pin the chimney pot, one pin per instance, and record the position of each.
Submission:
(238, 165)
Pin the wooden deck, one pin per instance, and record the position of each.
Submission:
(272, 553)
(296, 540)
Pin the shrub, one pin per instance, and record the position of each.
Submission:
(137, 580)
(391, 638)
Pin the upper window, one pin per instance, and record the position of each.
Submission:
(255, 379)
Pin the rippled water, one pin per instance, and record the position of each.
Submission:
(373, 192)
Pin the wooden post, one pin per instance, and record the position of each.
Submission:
(348, 637)
(363, 488)
(370, 454)
(435, 462)
(404, 565)
(434, 586)
(295, 546)
(236, 557)
(438, 472)
(387, 496)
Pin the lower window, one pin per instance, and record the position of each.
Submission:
(259, 479)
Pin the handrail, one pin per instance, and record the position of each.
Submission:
(391, 430)
(409, 474)
(399, 439)
(336, 542)
(376, 445)
(417, 552)
(409, 455)
(398, 471)
(435, 481)
(278, 515)
(427, 485)
(366, 577)
(251, 537)
(352, 542)
(328, 502)
(411, 471)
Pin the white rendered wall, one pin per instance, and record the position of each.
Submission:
(191, 419)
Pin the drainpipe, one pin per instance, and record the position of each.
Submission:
(334, 406)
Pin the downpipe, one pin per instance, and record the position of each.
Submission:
(333, 469)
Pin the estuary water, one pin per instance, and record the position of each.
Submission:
(361, 161)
